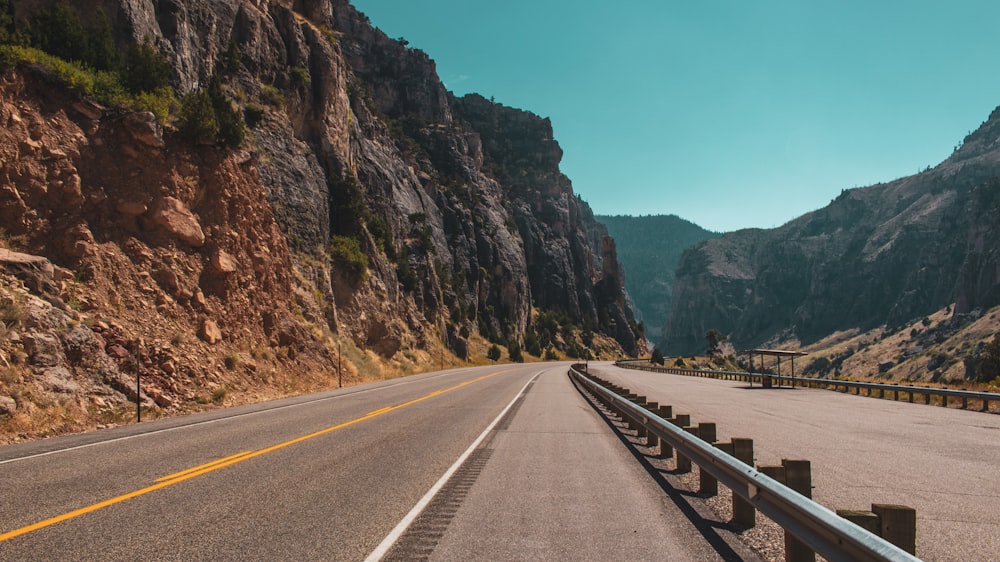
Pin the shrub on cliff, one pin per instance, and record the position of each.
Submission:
(198, 123)
(87, 60)
(514, 350)
(988, 368)
(208, 116)
(346, 253)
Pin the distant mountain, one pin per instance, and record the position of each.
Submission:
(879, 255)
(649, 248)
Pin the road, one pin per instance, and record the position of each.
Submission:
(330, 476)
(943, 462)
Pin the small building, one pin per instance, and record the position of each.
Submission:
(777, 353)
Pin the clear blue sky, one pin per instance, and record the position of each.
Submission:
(729, 113)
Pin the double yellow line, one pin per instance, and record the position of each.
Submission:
(203, 469)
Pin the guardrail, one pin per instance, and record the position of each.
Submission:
(896, 390)
(822, 530)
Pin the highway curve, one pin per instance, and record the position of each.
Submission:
(329, 476)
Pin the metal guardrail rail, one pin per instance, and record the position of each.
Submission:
(834, 384)
(824, 531)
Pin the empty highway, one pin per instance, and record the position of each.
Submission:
(338, 475)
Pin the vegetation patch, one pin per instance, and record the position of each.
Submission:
(346, 252)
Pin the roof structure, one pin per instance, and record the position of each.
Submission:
(779, 353)
(773, 352)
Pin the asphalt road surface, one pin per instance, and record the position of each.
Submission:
(336, 476)
(943, 462)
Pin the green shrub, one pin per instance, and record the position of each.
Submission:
(104, 86)
(272, 96)
(514, 350)
(145, 69)
(253, 115)
(404, 272)
(198, 123)
(58, 31)
(346, 252)
(300, 76)
(230, 62)
(657, 356)
(532, 345)
(988, 367)
(219, 394)
(208, 116)
(493, 354)
(160, 102)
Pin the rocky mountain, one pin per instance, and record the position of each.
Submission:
(880, 255)
(649, 248)
(237, 192)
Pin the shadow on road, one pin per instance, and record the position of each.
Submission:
(701, 517)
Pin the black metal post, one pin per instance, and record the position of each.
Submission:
(138, 390)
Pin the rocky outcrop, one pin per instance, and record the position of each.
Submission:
(884, 254)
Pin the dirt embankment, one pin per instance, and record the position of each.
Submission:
(133, 244)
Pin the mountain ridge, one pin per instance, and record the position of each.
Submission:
(883, 254)
(649, 248)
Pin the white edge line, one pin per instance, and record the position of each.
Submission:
(227, 418)
(387, 543)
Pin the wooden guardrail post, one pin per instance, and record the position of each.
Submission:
(798, 476)
(707, 484)
(683, 464)
(743, 511)
(652, 441)
(867, 520)
(898, 525)
(774, 472)
(894, 523)
(639, 427)
(666, 451)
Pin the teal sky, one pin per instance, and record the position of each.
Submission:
(728, 113)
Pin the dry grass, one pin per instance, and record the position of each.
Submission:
(912, 349)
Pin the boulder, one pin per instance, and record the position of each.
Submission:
(143, 128)
(210, 332)
(223, 263)
(174, 217)
(7, 405)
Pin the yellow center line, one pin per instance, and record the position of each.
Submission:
(202, 466)
(190, 473)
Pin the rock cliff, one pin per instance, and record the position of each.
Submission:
(365, 209)
(880, 255)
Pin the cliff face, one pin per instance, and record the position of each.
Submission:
(366, 205)
(572, 262)
(884, 254)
